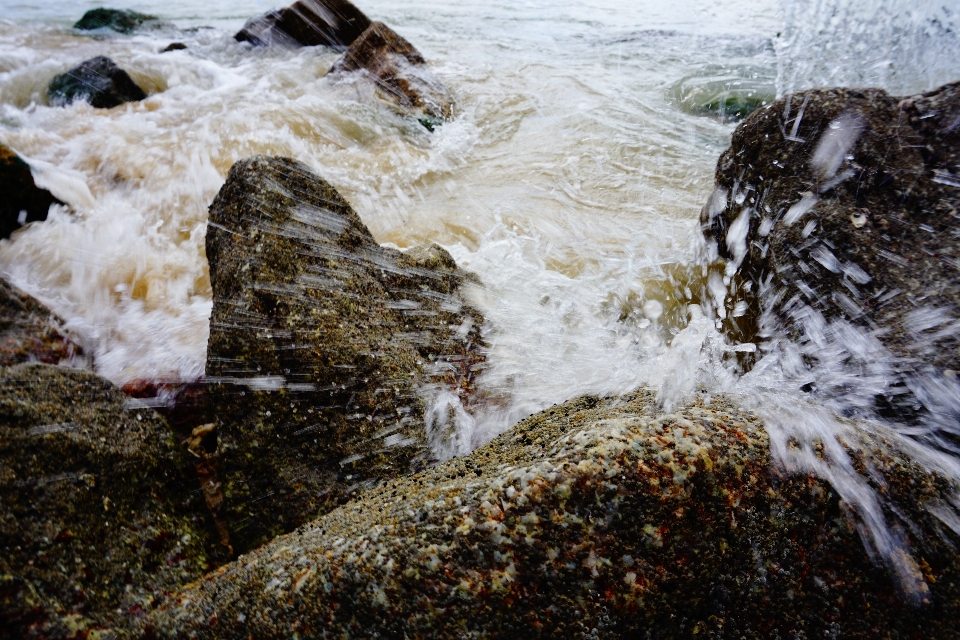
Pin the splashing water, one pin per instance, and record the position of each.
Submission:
(571, 184)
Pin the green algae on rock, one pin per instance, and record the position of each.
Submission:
(324, 348)
(598, 518)
(23, 201)
(843, 206)
(97, 519)
(119, 20)
(401, 74)
(29, 332)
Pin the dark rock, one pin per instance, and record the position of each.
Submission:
(99, 81)
(116, 19)
(840, 208)
(400, 73)
(321, 342)
(98, 519)
(173, 46)
(23, 200)
(598, 518)
(29, 332)
(307, 23)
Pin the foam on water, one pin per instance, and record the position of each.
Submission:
(571, 184)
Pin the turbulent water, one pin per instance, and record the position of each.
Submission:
(571, 183)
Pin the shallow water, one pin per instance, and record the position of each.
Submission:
(571, 183)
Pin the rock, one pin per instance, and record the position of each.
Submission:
(840, 209)
(99, 81)
(307, 23)
(173, 46)
(118, 20)
(99, 510)
(23, 200)
(324, 348)
(598, 518)
(29, 332)
(400, 73)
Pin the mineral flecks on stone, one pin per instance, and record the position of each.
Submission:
(400, 73)
(29, 332)
(307, 23)
(324, 348)
(840, 208)
(99, 81)
(23, 201)
(598, 518)
(99, 516)
(118, 20)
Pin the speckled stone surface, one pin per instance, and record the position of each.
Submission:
(598, 518)
(324, 347)
(401, 74)
(99, 517)
(20, 193)
(29, 332)
(848, 203)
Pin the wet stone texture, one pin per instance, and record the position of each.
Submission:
(23, 201)
(98, 520)
(117, 20)
(598, 518)
(324, 349)
(843, 205)
(307, 23)
(99, 81)
(29, 332)
(400, 73)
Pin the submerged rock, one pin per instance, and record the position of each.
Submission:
(598, 518)
(173, 46)
(98, 521)
(29, 332)
(839, 209)
(307, 23)
(324, 348)
(23, 201)
(400, 73)
(99, 81)
(118, 20)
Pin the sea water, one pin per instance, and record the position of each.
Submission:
(571, 184)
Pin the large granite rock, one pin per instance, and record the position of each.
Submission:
(840, 208)
(29, 332)
(118, 20)
(99, 81)
(100, 514)
(324, 348)
(400, 73)
(23, 201)
(599, 518)
(307, 23)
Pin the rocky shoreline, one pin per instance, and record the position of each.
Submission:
(295, 490)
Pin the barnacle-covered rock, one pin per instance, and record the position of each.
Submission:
(400, 73)
(23, 201)
(99, 81)
(307, 23)
(29, 332)
(99, 519)
(839, 208)
(598, 518)
(324, 348)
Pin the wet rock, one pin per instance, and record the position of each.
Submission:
(400, 73)
(99, 81)
(324, 348)
(307, 23)
(29, 332)
(839, 209)
(173, 46)
(23, 200)
(98, 521)
(598, 518)
(118, 20)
